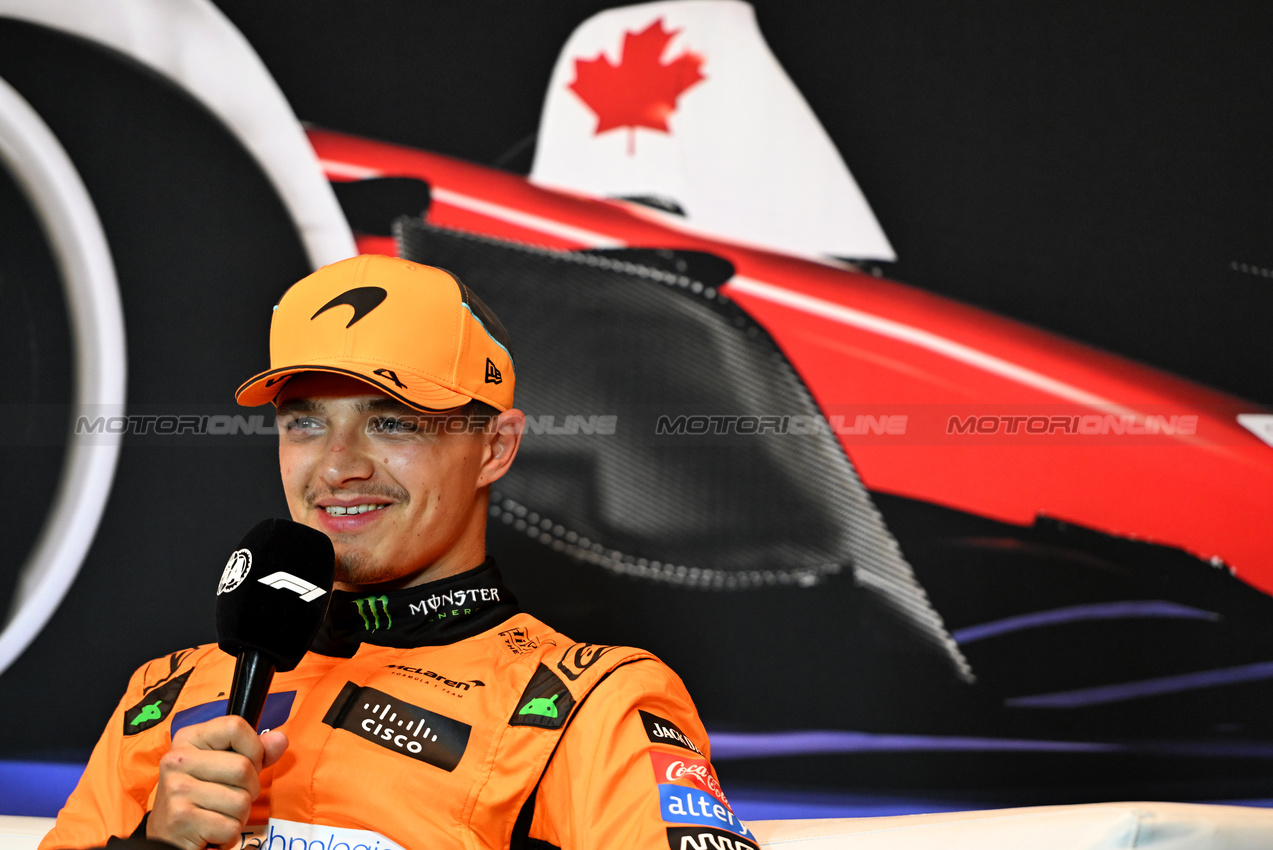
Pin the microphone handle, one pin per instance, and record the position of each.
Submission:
(253, 673)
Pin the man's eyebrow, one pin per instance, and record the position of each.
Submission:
(297, 406)
(386, 405)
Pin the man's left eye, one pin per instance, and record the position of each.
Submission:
(392, 425)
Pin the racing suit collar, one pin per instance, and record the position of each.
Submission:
(436, 613)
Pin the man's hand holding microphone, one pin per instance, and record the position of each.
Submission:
(272, 598)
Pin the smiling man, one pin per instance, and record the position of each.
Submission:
(430, 710)
(389, 485)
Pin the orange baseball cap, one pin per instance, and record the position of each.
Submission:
(413, 331)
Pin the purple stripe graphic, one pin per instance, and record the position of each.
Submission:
(1146, 687)
(746, 745)
(1074, 613)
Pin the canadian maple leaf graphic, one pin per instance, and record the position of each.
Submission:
(640, 91)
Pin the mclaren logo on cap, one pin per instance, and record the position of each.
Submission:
(364, 299)
(492, 374)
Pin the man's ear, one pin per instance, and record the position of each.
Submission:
(502, 438)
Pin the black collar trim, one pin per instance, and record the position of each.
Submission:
(433, 614)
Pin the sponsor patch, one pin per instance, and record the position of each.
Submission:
(278, 707)
(447, 686)
(546, 702)
(294, 835)
(399, 726)
(705, 838)
(519, 641)
(155, 705)
(672, 768)
(689, 805)
(579, 657)
(662, 731)
(454, 603)
(374, 611)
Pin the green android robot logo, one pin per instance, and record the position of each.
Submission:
(540, 706)
(151, 712)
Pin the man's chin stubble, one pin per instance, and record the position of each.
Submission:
(354, 568)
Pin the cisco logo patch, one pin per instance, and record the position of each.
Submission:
(399, 726)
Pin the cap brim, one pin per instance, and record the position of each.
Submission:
(265, 387)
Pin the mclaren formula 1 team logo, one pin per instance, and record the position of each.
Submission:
(455, 687)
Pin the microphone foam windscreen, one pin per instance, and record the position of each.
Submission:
(274, 591)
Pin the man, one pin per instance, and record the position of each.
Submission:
(430, 711)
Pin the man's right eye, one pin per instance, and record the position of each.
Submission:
(303, 423)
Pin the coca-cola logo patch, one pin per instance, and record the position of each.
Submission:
(674, 768)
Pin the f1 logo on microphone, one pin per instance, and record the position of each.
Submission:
(287, 581)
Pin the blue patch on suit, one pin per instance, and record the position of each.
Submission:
(278, 707)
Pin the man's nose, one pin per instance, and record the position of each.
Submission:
(346, 459)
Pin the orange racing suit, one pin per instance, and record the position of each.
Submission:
(438, 716)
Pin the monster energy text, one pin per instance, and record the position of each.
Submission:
(454, 599)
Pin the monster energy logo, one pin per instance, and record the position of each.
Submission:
(374, 605)
(455, 601)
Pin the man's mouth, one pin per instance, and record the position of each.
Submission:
(339, 510)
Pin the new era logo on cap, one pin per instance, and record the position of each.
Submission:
(492, 374)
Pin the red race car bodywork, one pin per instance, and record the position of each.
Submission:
(1002, 420)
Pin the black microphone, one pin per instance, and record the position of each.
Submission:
(271, 600)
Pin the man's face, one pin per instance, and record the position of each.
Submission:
(395, 495)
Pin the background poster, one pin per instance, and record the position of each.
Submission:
(1100, 173)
